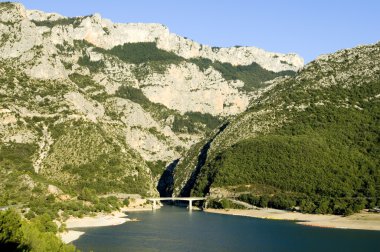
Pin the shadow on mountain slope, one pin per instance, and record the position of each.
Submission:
(186, 190)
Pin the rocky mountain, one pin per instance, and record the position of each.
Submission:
(87, 103)
(310, 140)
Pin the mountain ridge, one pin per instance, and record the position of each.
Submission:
(105, 34)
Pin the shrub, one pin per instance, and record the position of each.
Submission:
(126, 202)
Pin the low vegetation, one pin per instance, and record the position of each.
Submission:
(144, 53)
(62, 21)
(252, 75)
(223, 203)
(93, 161)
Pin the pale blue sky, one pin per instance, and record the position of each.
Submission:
(307, 27)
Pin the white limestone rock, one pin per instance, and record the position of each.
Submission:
(92, 111)
(42, 16)
(151, 145)
(105, 34)
(186, 88)
(12, 12)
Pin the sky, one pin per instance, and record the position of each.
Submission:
(306, 27)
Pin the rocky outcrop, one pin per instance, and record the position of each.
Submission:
(105, 34)
(186, 88)
(44, 45)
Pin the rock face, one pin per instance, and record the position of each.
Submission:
(182, 86)
(74, 92)
(105, 34)
(34, 39)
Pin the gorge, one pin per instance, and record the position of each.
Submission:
(96, 115)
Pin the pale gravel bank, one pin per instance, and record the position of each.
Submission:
(70, 236)
(363, 220)
(100, 220)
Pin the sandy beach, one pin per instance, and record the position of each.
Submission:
(363, 220)
(70, 236)
(100, 220)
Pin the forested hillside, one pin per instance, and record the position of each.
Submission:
(316, 143)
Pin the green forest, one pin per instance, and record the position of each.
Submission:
(325, 160)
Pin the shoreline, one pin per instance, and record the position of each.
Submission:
(358, 221)
(100, 220)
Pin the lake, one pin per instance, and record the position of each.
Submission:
(176, 229)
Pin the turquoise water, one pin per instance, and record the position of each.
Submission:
(175, 229)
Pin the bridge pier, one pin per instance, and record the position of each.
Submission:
(189, 199)
(154, 205)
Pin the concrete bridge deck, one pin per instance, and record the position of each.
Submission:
(189, 199)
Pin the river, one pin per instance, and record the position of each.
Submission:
(175, 229)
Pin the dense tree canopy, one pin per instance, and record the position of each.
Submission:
(324, 160)
(36, 235)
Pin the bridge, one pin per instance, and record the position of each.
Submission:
(189, 199)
